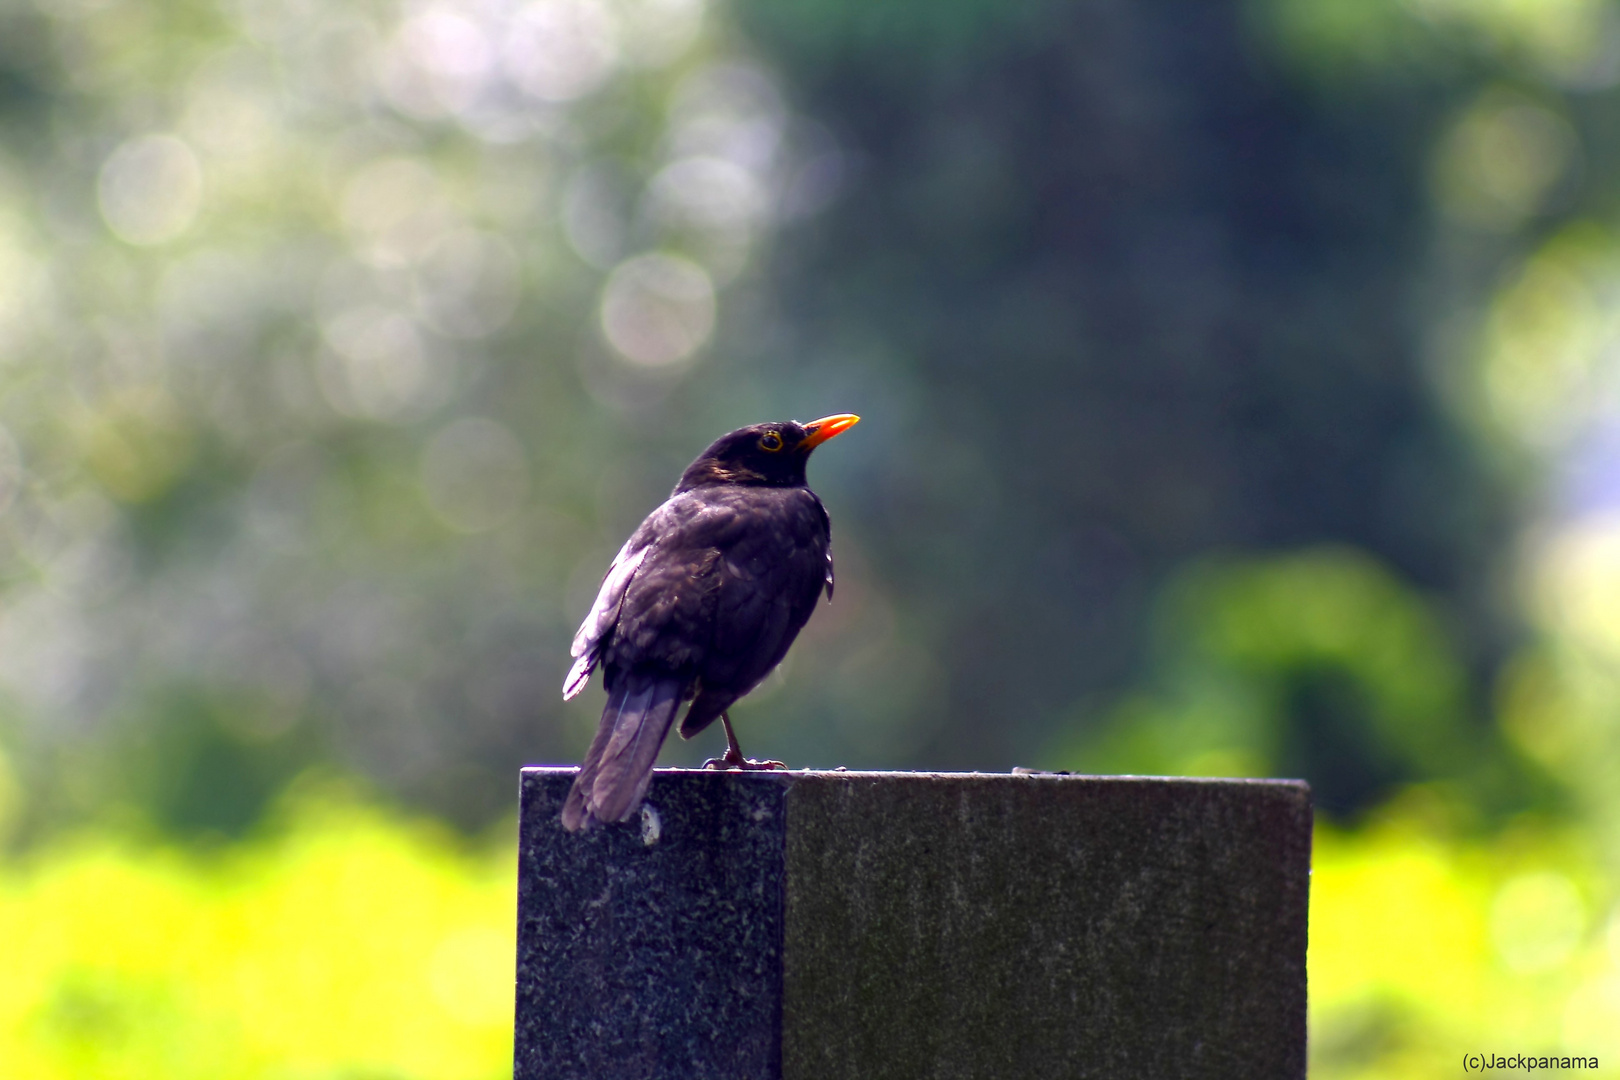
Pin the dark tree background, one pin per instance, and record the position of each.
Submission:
(1151, 294)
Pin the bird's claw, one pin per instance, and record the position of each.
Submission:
(727, 762)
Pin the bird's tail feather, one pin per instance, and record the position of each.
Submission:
(617, 769)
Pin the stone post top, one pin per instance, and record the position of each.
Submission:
(931, 776)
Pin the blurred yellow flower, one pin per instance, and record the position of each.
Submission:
(351, 941)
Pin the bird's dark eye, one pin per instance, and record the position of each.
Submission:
(770, 441)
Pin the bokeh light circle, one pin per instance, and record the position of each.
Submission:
(150, 189)
(658, 309)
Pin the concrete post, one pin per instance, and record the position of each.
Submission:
(818, 926)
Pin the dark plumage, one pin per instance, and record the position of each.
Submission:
(701, 603)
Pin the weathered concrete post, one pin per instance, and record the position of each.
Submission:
(818, 926)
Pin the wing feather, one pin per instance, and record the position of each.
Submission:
(587, 648)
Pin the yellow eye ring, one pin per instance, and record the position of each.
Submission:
(770, 441)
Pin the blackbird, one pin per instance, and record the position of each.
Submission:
(700, 604)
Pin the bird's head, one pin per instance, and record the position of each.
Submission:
(771, 454)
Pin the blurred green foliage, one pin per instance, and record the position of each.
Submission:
(1425, 945)
(1249, 648)
(1240, 389)
(342, 940)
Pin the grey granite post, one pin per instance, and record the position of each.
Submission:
(818, 926)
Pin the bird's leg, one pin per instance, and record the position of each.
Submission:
(733, 758)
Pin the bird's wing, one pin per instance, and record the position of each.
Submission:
(604, 613)
(711, 584)
(667, 615)
(722, 569)
(650, 606)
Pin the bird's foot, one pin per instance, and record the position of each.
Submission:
(728, 761)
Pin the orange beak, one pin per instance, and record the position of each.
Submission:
(825, 428)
